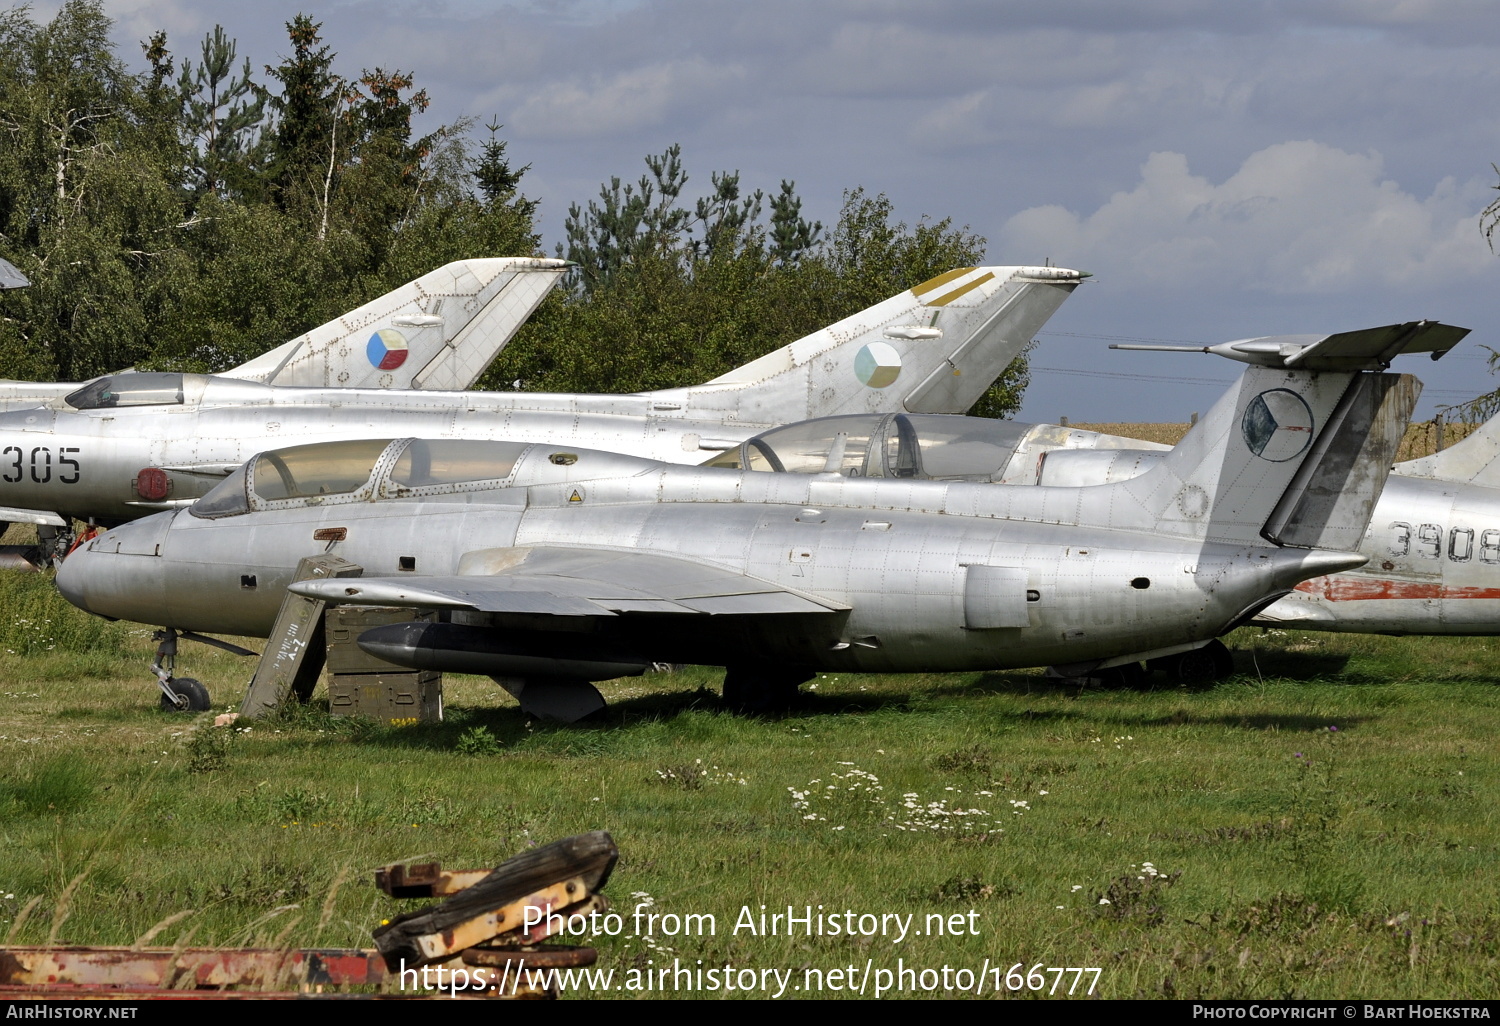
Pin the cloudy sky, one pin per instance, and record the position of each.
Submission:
(1224, 170)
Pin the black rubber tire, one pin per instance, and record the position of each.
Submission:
(1202, 665)
(193, 694)
(1130, 675)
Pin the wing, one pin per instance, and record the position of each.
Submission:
(576, 582)
(11, 515)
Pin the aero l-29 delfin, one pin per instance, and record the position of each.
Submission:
(438, 332)
(557, 566)
(129, 445)
(1434, 540)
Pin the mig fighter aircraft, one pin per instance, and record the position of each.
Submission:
(438, 332)
(556, 566)
(129, 445)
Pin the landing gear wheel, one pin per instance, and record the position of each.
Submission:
(1200, 666)
(192, 696)
(1130, 675)
(763, 689)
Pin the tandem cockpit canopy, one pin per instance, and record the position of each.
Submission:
(359, 470)
(929, 447)
(137, 388)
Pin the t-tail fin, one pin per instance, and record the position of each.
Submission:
(934, 348)
(438, 332)
(1296, 453)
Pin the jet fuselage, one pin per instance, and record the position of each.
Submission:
(936, 576)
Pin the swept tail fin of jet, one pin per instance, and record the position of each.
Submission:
(438, 332)
(934, 348)
(1474, 460)
(1295, 454)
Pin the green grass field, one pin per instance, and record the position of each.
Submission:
(1321, 825)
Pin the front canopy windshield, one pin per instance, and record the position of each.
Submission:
(309, 471)
(225, 499)
(933, 447)
(146, 389)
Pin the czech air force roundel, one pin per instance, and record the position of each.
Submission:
(1277, 425)
(387, 349)
(877, 364)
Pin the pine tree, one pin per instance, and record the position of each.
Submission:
(222, 113)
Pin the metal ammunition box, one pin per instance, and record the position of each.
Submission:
(392, 698)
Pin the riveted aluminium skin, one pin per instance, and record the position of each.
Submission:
(873, 575)
(946, 349)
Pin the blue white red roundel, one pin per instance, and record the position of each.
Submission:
(387, 349)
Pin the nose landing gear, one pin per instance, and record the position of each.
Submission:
(183, 694)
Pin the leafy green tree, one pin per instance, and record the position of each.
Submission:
(791, 236)
(194, 219)
(496, 180)
(86, 189)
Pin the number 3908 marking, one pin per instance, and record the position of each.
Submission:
(16, 463)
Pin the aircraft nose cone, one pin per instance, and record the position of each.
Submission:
(72, 577)
(109, 576)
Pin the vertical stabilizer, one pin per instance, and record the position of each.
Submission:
(1298, 451)
(934, 348)
(438, 332)
(1330, 500)
(1225, 478)
(1475, 460)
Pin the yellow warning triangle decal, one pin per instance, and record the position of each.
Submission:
(575, 497)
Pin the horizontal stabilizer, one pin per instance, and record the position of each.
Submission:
(575, 582)
(1293, 611)
(1364, 349)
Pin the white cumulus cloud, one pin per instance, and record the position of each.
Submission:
(1297, 217)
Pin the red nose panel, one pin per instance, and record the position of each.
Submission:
(152, 484)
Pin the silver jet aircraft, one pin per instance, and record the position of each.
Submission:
(558, 566)
(1434, 550)
(440, 331)
(129, 445)
(1434, 541)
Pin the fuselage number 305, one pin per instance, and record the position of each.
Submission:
(17, 463)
